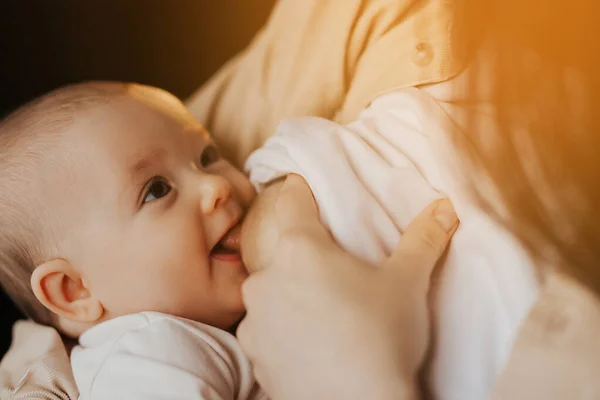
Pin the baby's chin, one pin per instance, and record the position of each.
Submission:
(229, 321)
(230, 312)
(238, 310)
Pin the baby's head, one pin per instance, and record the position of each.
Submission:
(113, 200)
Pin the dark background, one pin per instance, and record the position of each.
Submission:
(173, 44)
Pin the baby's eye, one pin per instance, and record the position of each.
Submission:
(210, 155)
(157, 189)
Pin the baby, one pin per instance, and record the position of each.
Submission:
(119, 226)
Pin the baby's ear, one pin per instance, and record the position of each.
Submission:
(59, 287)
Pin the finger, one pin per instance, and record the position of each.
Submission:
(250, 296)
(247, 341)
(244, 337)
(424, 242)
(297, 211)
(251, 290)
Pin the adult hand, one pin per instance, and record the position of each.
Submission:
(322, 324)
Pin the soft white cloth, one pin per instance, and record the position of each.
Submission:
(370, 179)
(152, 355)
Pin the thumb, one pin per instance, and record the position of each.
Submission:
(424, 242)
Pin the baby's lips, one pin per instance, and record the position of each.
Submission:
(231, 241)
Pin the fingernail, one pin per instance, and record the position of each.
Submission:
(445, 215)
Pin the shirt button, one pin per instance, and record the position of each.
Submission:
(423, 54)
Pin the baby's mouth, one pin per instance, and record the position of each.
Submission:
(228, 248)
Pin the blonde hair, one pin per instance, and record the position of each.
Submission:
(27, 139)
(543, 59)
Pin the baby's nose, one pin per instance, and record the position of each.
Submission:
(214, 190)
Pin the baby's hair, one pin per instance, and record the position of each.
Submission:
(27, 139)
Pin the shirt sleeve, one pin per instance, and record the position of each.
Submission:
(144, 364)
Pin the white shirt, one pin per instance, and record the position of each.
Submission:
(151, 355)
(370, 179)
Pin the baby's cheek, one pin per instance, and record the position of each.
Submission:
(242, 188)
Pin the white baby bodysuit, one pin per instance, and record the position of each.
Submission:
(152, 356)
(370, 179)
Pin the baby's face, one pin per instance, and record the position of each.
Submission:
(150, 206)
